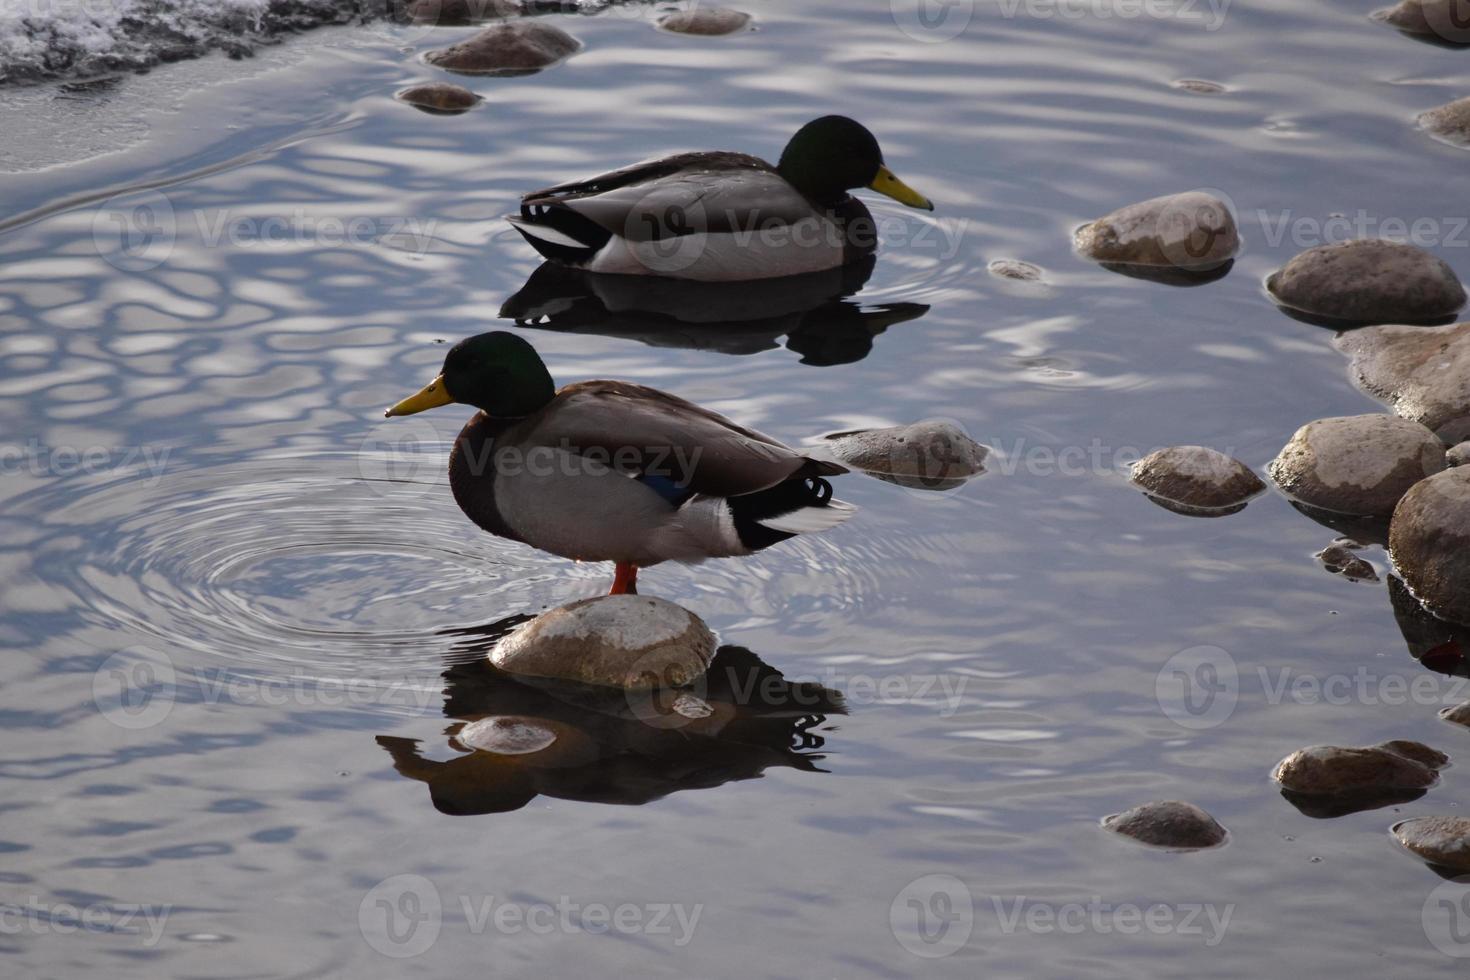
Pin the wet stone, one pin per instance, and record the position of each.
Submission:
(1429, 539)
(928, 455)
(1443, 20)
(706, 21)
(1423, 373)
(1369, 281)
(1358, 464)
(1331, 770)
(1339, 559)
(1171, 823)
(1449, 123)
(630, 642)
(1443, 841)
(1457, 715)
(445, 99)
(1193, 231)
(1196, 478)
(515, 48)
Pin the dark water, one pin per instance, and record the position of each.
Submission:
(232, 590)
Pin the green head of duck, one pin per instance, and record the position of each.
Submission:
(496, 372)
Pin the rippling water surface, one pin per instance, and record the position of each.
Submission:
(202, 503)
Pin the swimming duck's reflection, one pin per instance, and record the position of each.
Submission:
(729, 318)
(599, 745)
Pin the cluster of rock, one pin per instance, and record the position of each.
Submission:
(514, 45)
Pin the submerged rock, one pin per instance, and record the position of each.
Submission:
(1171, 823)
(1192, 231)
(1429, 539)
(632, 642)
(707, 21)
(534, 741)
(1339, 559)
(1422, 372)
(928, 455)
(1196, 478)
(1450, 123)
(1444, 841)
(1331, 770)
(1200, 86)
(1015, 270)
(444, 99)
(1369, 281)
(518, 47)
(460, 12)
(1443, 19)
(1358, 464)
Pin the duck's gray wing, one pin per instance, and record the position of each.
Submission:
(645, 171)
(650, 433)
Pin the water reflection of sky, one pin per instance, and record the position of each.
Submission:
(291, 540)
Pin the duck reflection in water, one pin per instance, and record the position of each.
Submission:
(600, 745)
(809, 310)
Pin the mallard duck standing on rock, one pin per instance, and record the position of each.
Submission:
(615, 471)
(719, 216)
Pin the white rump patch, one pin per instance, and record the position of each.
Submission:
(544, 233)
(809, 520)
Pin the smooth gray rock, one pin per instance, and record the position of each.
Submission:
(1423, 373)
(1357, 464)
(1170, 823)
(928, 455)
(1368, 280)
(1331, 770)
(632, 642)
(1444, 841)
(1429, 539)
(517, 47)
(1192, 231)
(1457, 715)
(1442, 19)
(444, 99)
(1196, 477)
(1458, 455)
(1449, 123)
(706, 21)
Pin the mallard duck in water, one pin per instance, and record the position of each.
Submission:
(615, 471)
(721, 216)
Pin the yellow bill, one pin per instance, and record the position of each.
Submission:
(432, 395)
(888, 184)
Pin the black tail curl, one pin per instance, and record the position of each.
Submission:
(752, 508)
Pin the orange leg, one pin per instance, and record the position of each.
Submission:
(625, 580)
